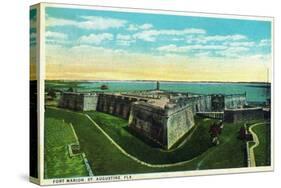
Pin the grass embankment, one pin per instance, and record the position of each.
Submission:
(116, 128)
(58, 163)
(106, 159)
(262, 151)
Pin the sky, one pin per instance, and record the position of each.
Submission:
(33, 34)
(106, 45)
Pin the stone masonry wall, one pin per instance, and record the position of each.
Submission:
(234, 101)
(240, 115)
(71, 101)
(179, 124)
(202, 104)
(163, 126)
(78, 101)
(116, 105)
(149, 122)
(199, 103)
(90, 102)
(221, 102)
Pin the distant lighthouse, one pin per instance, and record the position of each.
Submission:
(157, 86)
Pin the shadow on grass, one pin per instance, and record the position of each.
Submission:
(142, 138)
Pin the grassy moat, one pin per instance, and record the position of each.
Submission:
(105, 158)
(262, 151)
(58, 163)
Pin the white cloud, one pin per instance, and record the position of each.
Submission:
(101, 23)
(179, 49)
(233, 52)
(135, 27)
(95, 38)
(264, 42)
(87, 22)
(123, 37)
(150, 35)
(124, 40)
(146, 26)
(84, 48)
(225, 37)
(55, 35)
(207, 50)
(207, 47)
(237, 44)
(56, 38)
(215, 38)
(51, 21)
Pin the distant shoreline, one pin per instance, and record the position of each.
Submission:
(163, 81)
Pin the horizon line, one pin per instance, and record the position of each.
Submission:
(161, 81)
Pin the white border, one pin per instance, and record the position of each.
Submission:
(159, 11)
(42, 64)
(37, 64)
(41, 108)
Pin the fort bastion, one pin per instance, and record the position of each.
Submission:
(161, 116)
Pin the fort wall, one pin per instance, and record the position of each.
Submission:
(149, 121)
(118, 105)
(234, 101)
(160, 116)
(90, 102)
(245, 114)
(220, 102)
(162, 125)
(201, 103)
(78, 101)
(178, 124)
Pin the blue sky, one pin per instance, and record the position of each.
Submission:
(33, 34)
(136, 34)
(253, 31)
(33, 29)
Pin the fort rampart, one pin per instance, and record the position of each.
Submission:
(245, 114)
(163, 117)
(79, 101)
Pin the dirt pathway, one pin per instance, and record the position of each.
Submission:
(257, 142)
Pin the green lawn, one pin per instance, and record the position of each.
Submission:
(230, 153)
(106, 159)
(262, 151)
(116, 128)
(58, 163)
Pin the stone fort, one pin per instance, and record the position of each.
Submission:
(161, 116)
